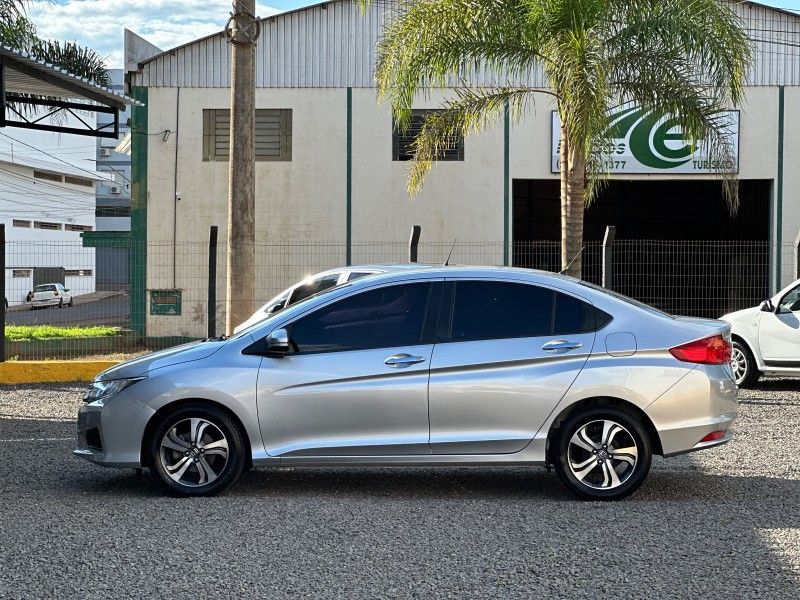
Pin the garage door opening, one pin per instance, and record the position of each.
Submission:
(677, 248)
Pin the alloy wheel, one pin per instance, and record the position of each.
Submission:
(194, 452)
(602, 454)
(738, 364)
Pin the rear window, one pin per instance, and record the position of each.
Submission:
(44, 288)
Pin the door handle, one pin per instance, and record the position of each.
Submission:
(403, 360)
(561, 346)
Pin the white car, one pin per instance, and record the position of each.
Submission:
(50, 294)
(766, 338)
(308, 287)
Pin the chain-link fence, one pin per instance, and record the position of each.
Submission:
(66, 300)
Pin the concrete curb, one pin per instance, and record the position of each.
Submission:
(46, 371)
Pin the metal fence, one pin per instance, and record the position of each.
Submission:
(696, 278)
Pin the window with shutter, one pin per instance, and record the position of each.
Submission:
(273, 134)
(403, 141)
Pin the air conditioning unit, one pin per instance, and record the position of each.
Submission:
(105, 152)
(114, 189)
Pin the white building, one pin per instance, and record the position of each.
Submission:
(331, 167)
(47, 199)
(113, 212)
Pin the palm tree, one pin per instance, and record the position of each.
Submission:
(685, 58)
(18, 32)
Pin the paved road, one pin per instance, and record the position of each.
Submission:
(109, 311)
(719, 524)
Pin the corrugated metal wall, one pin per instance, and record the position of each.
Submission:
(333, 45)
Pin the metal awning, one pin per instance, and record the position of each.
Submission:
(28, 82)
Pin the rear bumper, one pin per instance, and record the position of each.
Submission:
(704, 401)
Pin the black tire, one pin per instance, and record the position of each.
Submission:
(61, 303)
(71, 302)
(750, 373)
(566, 455)
(229, 470)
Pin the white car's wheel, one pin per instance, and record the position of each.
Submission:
(743, 365)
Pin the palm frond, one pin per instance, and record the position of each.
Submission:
(76, 59)
(470, 112)
(433, 43)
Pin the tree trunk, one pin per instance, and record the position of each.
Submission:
(573, 182)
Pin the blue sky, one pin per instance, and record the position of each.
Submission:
(166, 23)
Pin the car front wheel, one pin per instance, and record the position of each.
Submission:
(743, 365)
(602, 454)
(196, 450)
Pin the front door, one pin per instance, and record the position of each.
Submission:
(513, 351)
(779, 332)
(356, 382)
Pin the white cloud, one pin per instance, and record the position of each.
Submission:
(99, 24)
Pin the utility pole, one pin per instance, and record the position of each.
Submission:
(242, 32)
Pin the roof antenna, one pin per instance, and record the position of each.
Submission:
(449, 254)
(574, 258)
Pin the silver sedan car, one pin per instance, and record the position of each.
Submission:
(429, 366)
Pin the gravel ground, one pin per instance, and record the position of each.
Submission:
(718, 524)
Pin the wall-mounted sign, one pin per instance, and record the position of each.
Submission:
(647, 142)
(165, 302)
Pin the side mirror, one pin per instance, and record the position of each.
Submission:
(275, 309)
(66, 289)
(278, 342)
(766, 306)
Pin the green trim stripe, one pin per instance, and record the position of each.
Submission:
(506, 170)
(349, 192)
(138, 256)
(779, 191)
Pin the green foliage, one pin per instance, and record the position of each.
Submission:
(76, 59)
(24, 333)
(686, 58)
(19, 33)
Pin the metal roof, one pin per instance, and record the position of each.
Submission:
(25, 74)
(332, 45)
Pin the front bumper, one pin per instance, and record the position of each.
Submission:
(111, 435)
(704, 401)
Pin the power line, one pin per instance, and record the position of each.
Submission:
(61, 160)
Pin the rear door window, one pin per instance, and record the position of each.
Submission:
(484, 310)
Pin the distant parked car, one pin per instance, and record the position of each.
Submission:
(766, 338)
(314, 285)
(50, 294)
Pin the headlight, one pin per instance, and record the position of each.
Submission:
(99, 391)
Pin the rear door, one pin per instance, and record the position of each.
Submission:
(779, 332)
(356, 383)
(506, 353)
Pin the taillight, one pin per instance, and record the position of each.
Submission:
(714, 350)
(55, 294)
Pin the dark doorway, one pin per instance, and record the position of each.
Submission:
(48, 275)
(647, 210)
(678, 248)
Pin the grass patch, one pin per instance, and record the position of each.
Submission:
(26, 333)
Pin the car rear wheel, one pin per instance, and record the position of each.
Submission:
(61, 303)
(602, 454)
(743, 365)
(196, 450)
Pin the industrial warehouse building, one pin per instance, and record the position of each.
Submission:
(331, 170)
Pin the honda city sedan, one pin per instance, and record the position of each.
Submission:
(425, 366)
